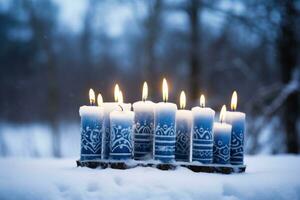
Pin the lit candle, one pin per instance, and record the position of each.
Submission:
(183, 131)
(108, 108)
(238, 121)
(164, 122)
(144, 126)
(91, 129)
(222, 139)
(202, 141)
(121, 124)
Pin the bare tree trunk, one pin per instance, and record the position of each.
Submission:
(153, 29)
(42, 30)
(194, 48)
(287, 50)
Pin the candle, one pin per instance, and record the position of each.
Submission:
(202, 142)
(164, 123)
(222, 140)
(121, 124)
(108, 108)
(183, 131)
(238, 121)
(91, 129)
(144, 126)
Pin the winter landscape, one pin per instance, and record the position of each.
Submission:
(52, 52)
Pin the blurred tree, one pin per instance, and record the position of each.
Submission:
(287, 53)
(42, 20)
(193, 10)
(153, 27)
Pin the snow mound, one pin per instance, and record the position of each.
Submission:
(266, 177)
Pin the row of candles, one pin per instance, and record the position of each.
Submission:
(110, 130)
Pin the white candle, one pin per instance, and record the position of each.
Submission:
(202, 139)
(183, 131)
(222, 140)
(108, 108)
(238, 121)
(121, 126)
(164, 136)
(91, 130)
(144, 126)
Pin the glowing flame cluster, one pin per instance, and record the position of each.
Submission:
(92, 97)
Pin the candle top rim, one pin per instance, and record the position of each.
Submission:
(184, 111)
(206, 110)
(233, 112)
(166, 105)
(122, 114)
(90, 110)
(219, 125)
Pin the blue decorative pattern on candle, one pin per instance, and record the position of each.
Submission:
(121, 147)
(237, 120)
(106, 138)
(108, 108)
(143, 135)
(183, 135)
(202, 135)
(182, 150)
(202, 145)
(91, 135)
(222, 139)
(165, 137)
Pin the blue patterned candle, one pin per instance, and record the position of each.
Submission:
(238, 121)
(202, 141)
(144, 127)
(121, 129)
(164, 123)
(91, 130)
(108, 108)
(183, 131)
(222, 140)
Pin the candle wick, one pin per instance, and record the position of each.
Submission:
(121, 108)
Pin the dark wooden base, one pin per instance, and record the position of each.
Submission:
(195, 167)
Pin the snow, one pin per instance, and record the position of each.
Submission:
(35, 140)
(266, 177)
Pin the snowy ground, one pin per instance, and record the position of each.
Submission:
(266, 178)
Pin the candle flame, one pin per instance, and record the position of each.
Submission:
(99, 100)
(116, 92)
(145, 91)
(202, 101)
(165, 90)
(92, 96)
(120, 97)
(182, 100)
(222, 114)
(234, 101)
